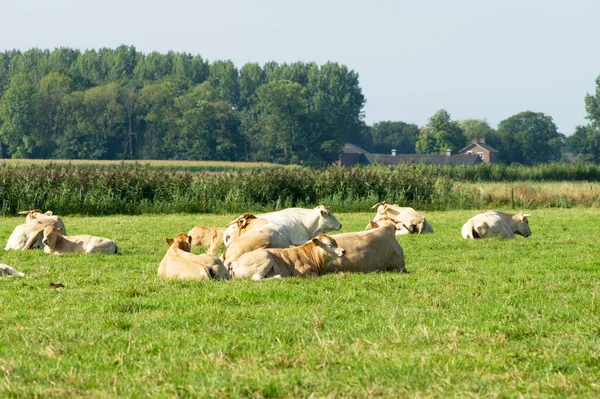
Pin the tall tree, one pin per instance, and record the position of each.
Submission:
(440, 134)
(52, 89)
(18, 127)
(159, 117)
(529, 138)
(224, 78)
(282, 114)
(208, 126)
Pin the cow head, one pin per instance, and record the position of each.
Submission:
(522, 224)
(327, 221)
(181, 241)
(50, 234)
(329, 246)
(236, 227)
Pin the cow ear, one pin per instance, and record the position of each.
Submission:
(316, 241)
(373, 224)
(323, 212)
(169, 241)
(48, 213)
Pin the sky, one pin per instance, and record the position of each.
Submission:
(475, 59)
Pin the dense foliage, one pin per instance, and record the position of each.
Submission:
(123, 104)
(133, 189)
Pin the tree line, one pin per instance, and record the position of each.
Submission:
(123, 104)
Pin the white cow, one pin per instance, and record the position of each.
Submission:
(29, 234)
(298, 225)
(496, 224)
(413, 221)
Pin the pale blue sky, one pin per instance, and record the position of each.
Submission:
(475, 59)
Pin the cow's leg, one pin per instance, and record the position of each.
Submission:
(262, 270)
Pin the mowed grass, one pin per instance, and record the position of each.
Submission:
(486, 318)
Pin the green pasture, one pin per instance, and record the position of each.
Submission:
(486, 318)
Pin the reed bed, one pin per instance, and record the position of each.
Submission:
(105, 189)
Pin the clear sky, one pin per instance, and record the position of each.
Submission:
(474, 58)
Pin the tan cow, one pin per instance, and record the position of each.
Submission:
(413, 221)
(496, 224)
(372, 250)
(179, 263)
(309, 259)
(55, 243)
(205, 236)
(29, 235)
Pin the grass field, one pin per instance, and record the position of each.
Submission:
(487, 318)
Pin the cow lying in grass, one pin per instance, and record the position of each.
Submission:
(179, 263)
(29, 234)
(372, 250)
(496, 224)
(55, 243)
(205, 236)
(413, 221)
(309, 259)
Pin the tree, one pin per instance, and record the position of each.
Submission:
(16, 109)
(440, 134)
(159, 117)
(529, 138)
(208, 126)
(53, 88)
(224, 78)
(389, 135)
(107, 116)
(282, 112)
(479, 128)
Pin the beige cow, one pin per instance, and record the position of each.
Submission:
(413, 221)
(179, 263)
(206, 236)
(55, 243)
(29, 234)
(496, 224)
(309, 259)
(372, 250)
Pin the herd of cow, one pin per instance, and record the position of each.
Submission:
(285, 243)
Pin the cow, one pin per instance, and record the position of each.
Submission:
(298, 225)
(249, 233)
(6, 270)
(55, 243)
(309, 259)
(35, 216)
(179, 263)
(29, 235)
(376, 249)
(205, 236)
(496, 224)
(413, 221)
